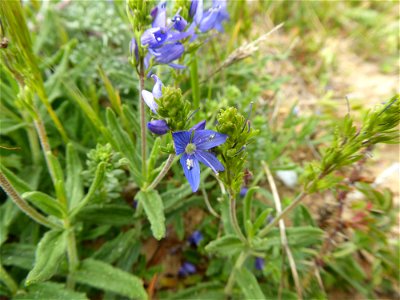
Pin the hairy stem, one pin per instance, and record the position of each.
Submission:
(23, 205)
(162, 173)
(142, 117)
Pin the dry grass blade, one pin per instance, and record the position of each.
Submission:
(285, 245)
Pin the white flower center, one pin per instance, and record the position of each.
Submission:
(189, 163)
(158, 39)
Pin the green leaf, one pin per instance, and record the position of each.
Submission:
(49, 253)
(226, 246)
(46, 203)
(154, 209)
(247, 206)
(57, 176)
(112, 214)
(248, 284)
(8, 213)
(73, 184)
(106, 277)
(50, 290)
(125, 145)
(19, 255)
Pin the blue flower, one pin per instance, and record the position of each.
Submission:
(193, 146)
(195, 238)
(149, 97)
(159, 127)
(214, 16)
(259, 263)
(187, 269)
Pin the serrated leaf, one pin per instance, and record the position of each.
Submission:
(225, 246)
(248, 284)
(106, 277)
(49, 253)
(50, 290)
(154, 209)
(44, 202)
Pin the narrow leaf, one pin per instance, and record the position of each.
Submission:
(73, 183)
(248, 284)
(226, 246)
(154, 209)
(50, 290)
(47, 204)
(49, 253)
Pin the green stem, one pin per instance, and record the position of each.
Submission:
(8, 281)
(283, 214)
(239, 262)
(234, 221)
(142, 117)
(162, 173)
(23, 205)
(194, 80)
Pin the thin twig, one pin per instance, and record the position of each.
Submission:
(282, 229)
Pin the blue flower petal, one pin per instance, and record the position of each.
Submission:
(209, 160)
(176, 66)
(179, 23)
(159, 15)
(157, 89)
(191, 169)
(154, 37)
(199, 126)
(207, 139)
(149, 99)
(181, 139)
(167, 53)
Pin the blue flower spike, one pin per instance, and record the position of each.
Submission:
(194, 145)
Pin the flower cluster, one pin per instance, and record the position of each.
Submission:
(164, 40)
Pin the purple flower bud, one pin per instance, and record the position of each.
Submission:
(154, 37)
(259, 263)
(167, 53)
(187, 269)
(159, 127)
(179, 23)
(133, 49)
(195, 238)
(243, 192)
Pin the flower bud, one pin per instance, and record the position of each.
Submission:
(159, 127)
